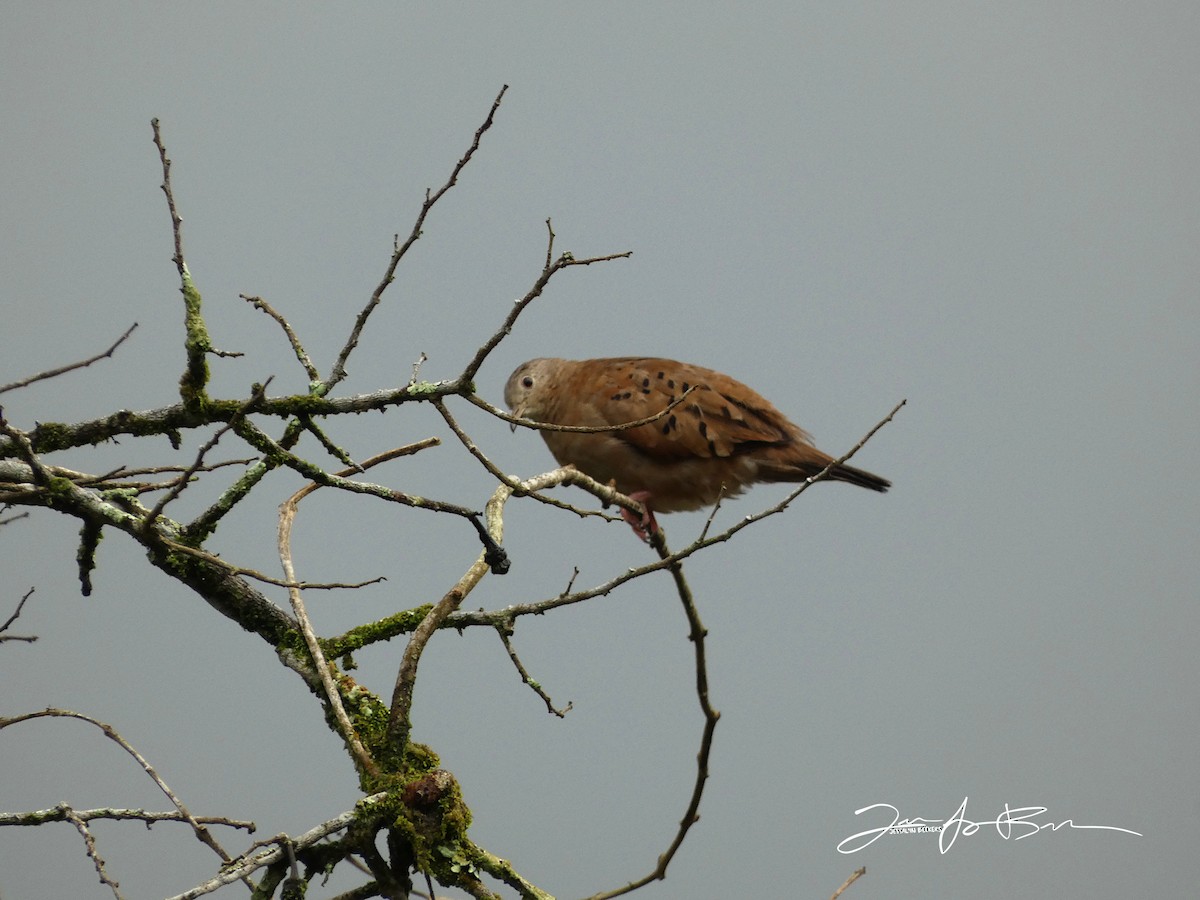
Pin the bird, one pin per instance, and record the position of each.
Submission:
(720, 438)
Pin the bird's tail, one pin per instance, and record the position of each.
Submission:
(861, 477)
(799, 470)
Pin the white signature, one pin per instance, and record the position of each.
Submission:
(1010, 824)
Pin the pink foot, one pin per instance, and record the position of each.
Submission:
(645, 525)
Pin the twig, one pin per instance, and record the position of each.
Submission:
(22, 515)
(505, 631)
(176, 219)
(90, 843)
(549, 243)
(196, 342)
(41, 477)
(420, 361)
(263, 306)
(502, 476)
(339, 367)
(54, 373)
(325, 441)
(854, 876)
(112, 478)
(267, 579)
(28, 638)
(566, 260)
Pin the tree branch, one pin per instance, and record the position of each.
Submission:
(28, 638)
(243, 866)
(339, 367)
(201, 832)
(54, 373)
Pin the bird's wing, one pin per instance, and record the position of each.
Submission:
(721, 417)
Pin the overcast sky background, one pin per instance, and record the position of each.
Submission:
(992, 210)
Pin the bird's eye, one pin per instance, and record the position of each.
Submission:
(527, 381)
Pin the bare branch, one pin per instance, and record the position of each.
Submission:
(51, 436)
(505, 632)
(287, 514)
(59, 814)
(201, 832)
(563, 262)
(54, 373)
(193, 383)
(22, 515)
(28, 638)
(854, 876)
(90, 843)
(156, 511)
(399, 723)
(263, 306)
(606, 494)
(242, 571)
(500, 474)
(261, 441)
(244, 867)
(339, 367)
(176, 219)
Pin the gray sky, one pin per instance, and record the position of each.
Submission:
(987, 209)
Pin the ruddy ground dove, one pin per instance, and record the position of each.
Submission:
(722, 438)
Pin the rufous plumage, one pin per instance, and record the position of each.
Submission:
(717, 441)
